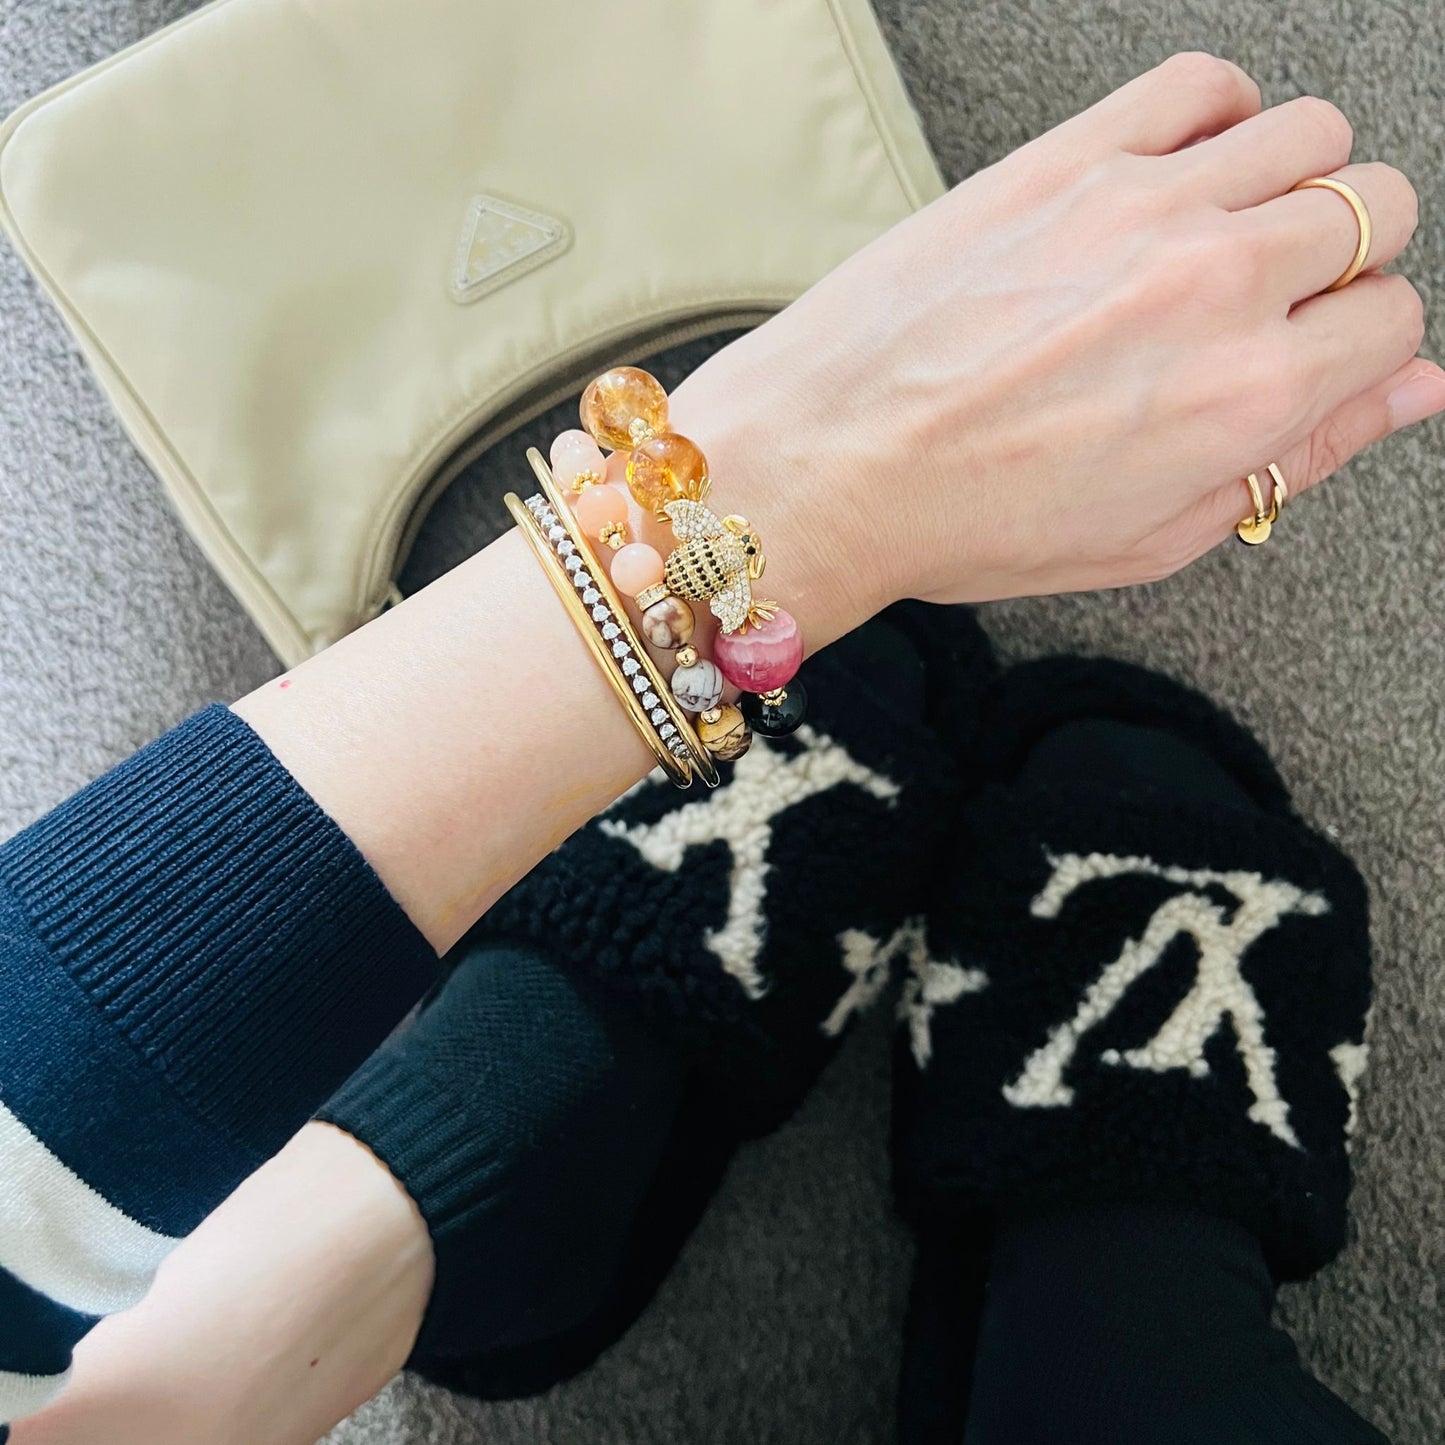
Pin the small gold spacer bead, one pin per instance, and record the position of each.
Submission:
(776, 698)
(614, 534)
(686, 656)
(583, 480)
(649, 595)
(639, 431)
(711, 715)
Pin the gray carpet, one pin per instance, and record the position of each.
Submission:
(780, 1322)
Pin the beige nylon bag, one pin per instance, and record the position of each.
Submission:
(321, 253)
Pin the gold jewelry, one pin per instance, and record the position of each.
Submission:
(717, 560)
(649, 595)
(661, 721)
(1256, 529)
(531, 528)
(1362, 220)
(1281, 492)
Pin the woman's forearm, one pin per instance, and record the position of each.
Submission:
(457, 738)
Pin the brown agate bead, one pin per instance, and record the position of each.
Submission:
(725, 733)
(668, 624)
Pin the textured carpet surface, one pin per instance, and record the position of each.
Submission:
(780, 1322)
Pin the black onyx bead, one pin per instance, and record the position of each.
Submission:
(776, 720)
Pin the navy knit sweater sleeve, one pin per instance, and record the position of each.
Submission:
(193, 957)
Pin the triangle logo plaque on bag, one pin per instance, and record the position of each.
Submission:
(501, 241)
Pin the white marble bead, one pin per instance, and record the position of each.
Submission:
(699, 686)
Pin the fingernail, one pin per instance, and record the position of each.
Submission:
(1416, 399)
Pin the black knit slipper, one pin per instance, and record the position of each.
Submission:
(1146, 982)
(747, 928)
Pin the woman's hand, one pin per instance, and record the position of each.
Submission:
(1055, 377)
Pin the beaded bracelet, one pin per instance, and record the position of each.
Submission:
(598, 613)
(759, 646)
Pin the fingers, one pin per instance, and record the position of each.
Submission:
(1309, 237)
(1188, 96)
(1264, 155)
(1345, 342)
(1408, 395)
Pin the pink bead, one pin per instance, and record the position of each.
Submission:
(763, 657)
(597, 506)
(573, 453)
(635, 568)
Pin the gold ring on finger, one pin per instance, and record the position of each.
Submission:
(1281, 492)
(1255, 528)
(1362, 220)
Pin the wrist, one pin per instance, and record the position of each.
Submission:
(762, 467)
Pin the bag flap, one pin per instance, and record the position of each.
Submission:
(311, 246)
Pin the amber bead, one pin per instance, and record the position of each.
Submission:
(727, 736)
(665, 468)
(619, 398)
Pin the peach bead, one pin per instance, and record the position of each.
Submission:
(595, 507)
(617, 469)
(636, 567)
(575, 454)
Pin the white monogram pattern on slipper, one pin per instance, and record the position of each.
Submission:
(765, 782)
(1220, 989)
(1349, 1061)
(930, 982)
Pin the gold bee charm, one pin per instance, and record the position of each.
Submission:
(717, 561)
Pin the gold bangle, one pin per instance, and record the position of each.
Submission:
(676, 768)
(662, 725)
(698, 758)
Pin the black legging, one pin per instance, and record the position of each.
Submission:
(1140, 1325)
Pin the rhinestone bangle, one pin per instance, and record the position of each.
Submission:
(596, 610)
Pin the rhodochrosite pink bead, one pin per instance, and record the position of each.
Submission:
(762, 657)
(636, 567)
(595, 507)
(574, 454)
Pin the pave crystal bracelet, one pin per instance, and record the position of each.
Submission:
(759, 646)
(600, 617)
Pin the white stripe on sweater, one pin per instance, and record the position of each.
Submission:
(22, 1395)
(62, 1238)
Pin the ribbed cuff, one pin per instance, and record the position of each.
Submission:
(222, 925)
(414, 1126)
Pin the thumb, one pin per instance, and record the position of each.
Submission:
(1409, 395)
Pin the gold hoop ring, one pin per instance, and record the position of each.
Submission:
(1281, 492)
(1362, 220)
(1256, 528)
